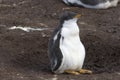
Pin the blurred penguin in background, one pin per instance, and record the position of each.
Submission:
(94, 4)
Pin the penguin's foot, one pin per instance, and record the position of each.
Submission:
(72, 72)
(84, 71)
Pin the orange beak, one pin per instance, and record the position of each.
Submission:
(77, 16)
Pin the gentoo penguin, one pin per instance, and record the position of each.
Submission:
(65, 49)
(95, 4)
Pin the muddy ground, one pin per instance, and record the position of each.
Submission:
(23, 55)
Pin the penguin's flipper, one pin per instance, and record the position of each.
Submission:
(55, 52)
(93, 2)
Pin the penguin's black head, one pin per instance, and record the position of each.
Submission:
(69, 15)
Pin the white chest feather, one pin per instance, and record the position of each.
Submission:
(71, 47)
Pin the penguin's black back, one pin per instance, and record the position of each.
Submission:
(55, 53)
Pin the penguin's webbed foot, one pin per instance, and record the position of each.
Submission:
(72, 72)
(84, 71)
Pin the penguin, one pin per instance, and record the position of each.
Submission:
(94, 4)
(65, 49)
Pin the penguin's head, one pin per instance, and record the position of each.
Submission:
(69, 16)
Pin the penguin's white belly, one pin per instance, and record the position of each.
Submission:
(73, 54)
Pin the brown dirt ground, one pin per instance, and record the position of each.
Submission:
(23, 56)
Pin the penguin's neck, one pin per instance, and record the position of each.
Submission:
(71, 25)
(70, 28)
(71, 21)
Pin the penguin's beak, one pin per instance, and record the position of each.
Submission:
(77, 16)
